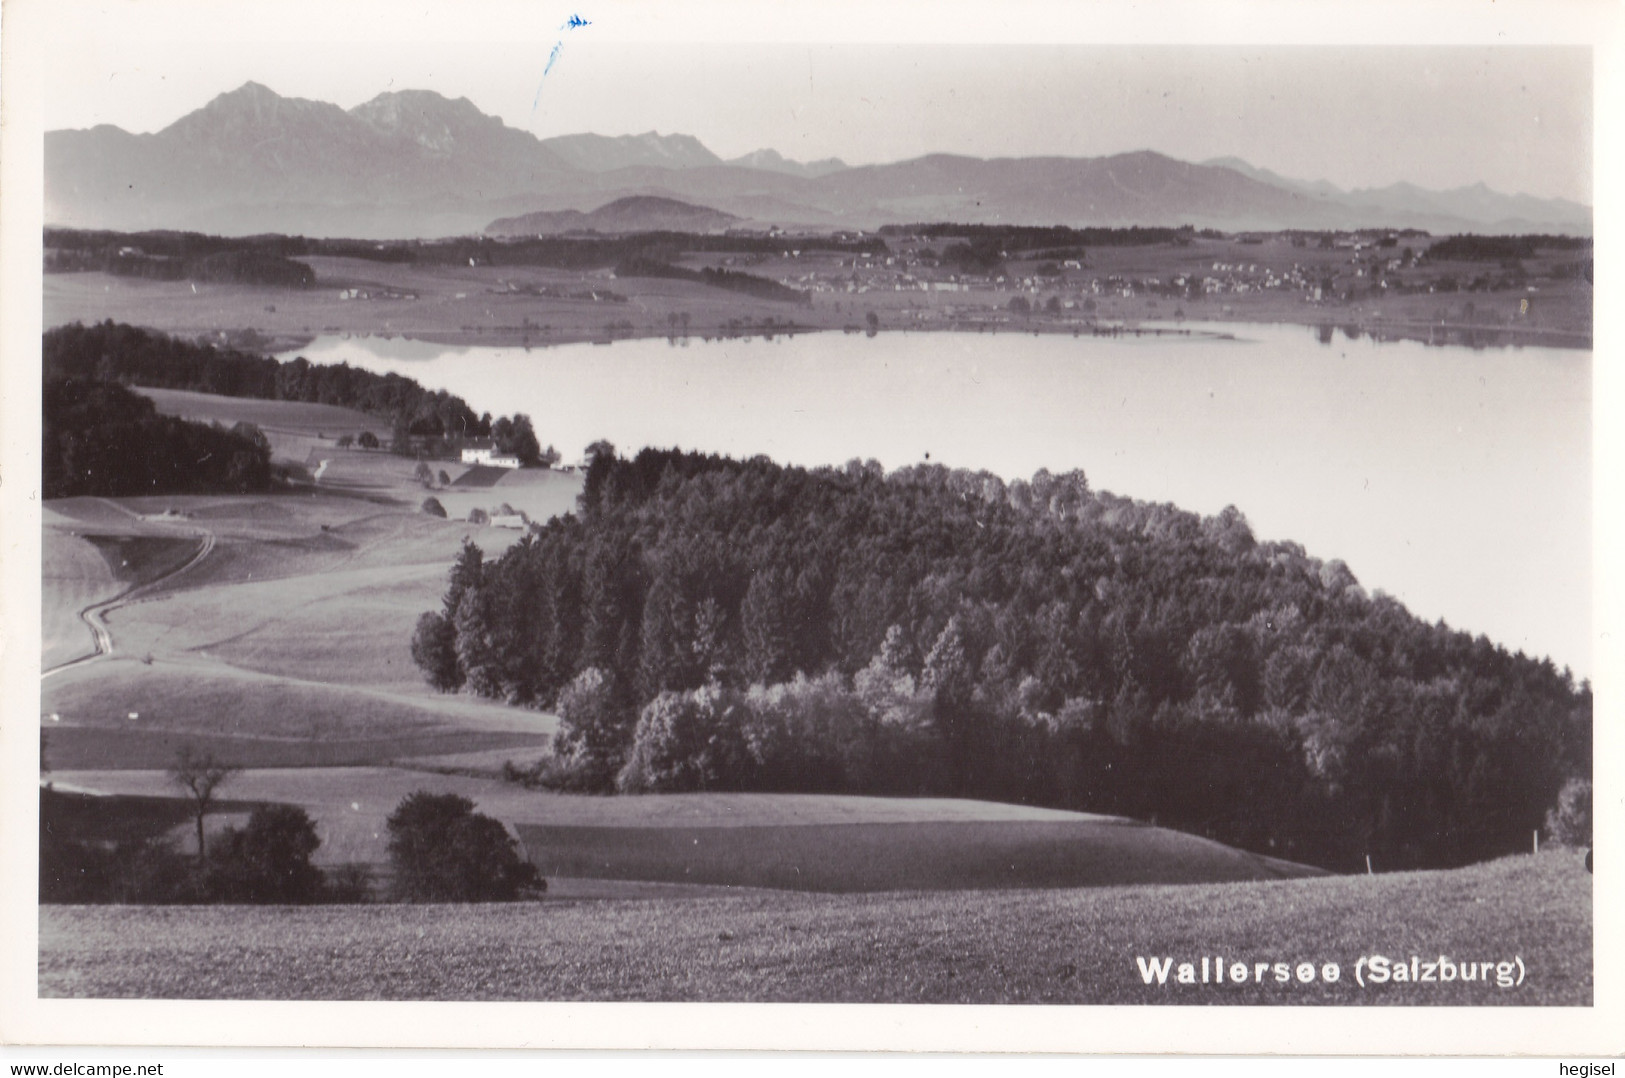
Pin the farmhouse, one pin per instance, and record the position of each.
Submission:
(488, 456)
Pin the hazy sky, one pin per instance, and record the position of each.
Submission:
(1518, 118)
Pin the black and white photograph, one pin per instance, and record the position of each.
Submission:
(1010, 515)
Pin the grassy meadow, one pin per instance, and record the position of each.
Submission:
(73, 576)
(799, 842)
(1067, 945)
(297, 430)
(287, 643)
(925, 855)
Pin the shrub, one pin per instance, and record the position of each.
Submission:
(1568, 823)
(268, 861)
(687, 741)
(594, 731)
(443, 851)
(808, 734)
(348, 884)
(433, 507)
(135, 870)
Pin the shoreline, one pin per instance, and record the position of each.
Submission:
(1464, 334)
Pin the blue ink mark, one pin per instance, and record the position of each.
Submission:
(574, 22)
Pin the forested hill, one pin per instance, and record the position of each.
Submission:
(114, 352)
(100, 439)
(710, 623)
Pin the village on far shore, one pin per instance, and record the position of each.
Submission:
(532, 291)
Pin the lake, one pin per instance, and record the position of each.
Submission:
(1456, 480)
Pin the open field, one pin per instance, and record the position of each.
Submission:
(298, 431)
(97, 551)
(1001, 946)
(287, 642)
(260, 720)
(936, 855)
(293, 417)
(73, 576)
(506, 305)
(815, 842)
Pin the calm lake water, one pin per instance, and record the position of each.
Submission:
(1456, 480)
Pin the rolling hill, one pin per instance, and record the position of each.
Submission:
(635, 213)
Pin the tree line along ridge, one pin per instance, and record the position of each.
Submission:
(100, 438)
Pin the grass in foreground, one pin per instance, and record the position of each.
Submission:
(1057, 946)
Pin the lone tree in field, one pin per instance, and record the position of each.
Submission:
(444, 851)
(199, 775)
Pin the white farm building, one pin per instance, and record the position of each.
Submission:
(490, 458)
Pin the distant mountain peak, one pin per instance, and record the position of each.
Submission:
(249, 91)
(770, 160)
(437, 123)
(253, 105)
(395, 100)
(606, 153)
(254, 96)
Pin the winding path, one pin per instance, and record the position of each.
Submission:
(95, 615)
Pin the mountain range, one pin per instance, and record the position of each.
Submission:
(415, 163)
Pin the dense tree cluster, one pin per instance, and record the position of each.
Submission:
(113, 352)
(85, 857)
(1471, 248)
(645, 265)
(100, 439)
(71, 249)
(712, 624)
(517, 437)
(174, 244)
(1032, 237)
(235, 266)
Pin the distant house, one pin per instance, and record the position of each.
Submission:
(489, 457)
(517, 521)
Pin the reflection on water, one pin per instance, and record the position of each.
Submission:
(1456, 480)
(1477, 338)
